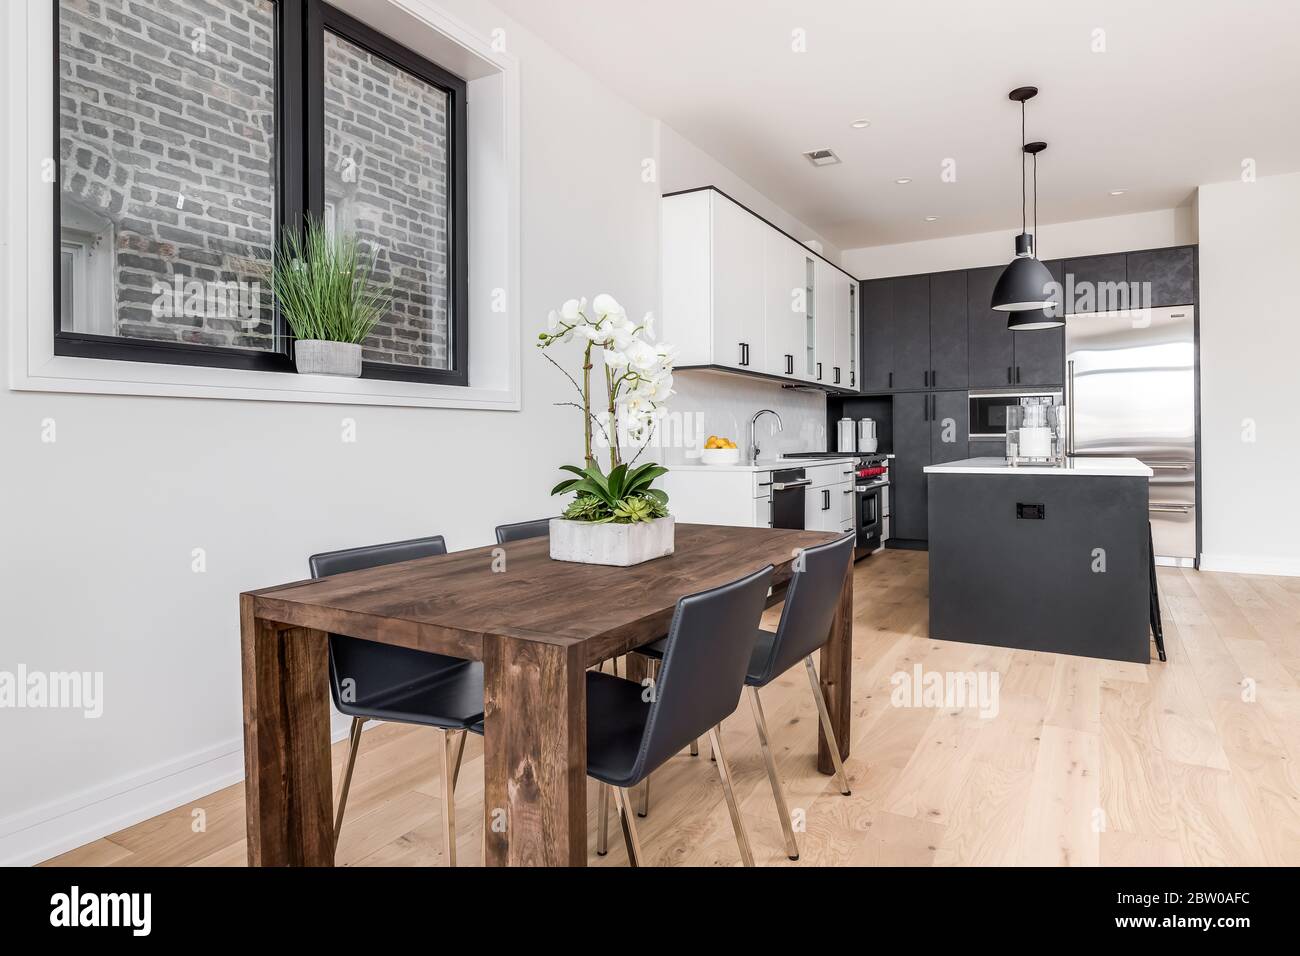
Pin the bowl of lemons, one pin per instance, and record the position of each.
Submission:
(720, 451)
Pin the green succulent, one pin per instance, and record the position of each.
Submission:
(624, 496)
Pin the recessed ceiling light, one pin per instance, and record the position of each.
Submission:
(1118, 192)
(931, 218)
(860, 124)
(902, 182)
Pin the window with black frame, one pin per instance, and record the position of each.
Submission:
(192, 133)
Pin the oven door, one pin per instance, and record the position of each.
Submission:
(871, 517)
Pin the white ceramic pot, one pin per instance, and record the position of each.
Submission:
(620, 545)
(316, 357)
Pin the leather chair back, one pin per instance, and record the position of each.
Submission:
(810, 603)
(702, 675)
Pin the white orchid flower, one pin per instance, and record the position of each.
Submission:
(648, 325)
(572, 309)
(605, 304)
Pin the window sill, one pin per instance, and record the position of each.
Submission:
(63, 373)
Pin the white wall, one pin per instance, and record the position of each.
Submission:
(1143, 230)
(1250, 344)
(98, 530)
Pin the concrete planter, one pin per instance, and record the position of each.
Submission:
(620, 545)
(315, 357)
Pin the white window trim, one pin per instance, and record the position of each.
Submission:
(27, 116)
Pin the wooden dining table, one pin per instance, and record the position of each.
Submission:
(537, 625)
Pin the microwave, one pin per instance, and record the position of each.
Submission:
(988, 410)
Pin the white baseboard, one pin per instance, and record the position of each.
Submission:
(1251, 564)
(49, 829)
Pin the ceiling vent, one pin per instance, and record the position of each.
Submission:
(821, 157)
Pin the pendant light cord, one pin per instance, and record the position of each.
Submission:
(1022, 167)
(1036, 249)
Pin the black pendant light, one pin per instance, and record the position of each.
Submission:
(1023, 287)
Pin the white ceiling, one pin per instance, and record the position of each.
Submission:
(1185, 90)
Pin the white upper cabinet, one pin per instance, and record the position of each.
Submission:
(742, 295)
(783, 305)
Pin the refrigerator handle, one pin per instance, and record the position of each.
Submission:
(1069, 408)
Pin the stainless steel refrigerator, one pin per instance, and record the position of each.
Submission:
(1131, 391)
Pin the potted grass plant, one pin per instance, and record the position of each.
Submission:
(322, 285)
(615, 517)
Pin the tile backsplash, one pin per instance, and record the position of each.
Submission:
(716, 403)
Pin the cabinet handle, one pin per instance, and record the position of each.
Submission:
(1008, 374)
(1017, 374)
(826, 500)
(925, 408)
(926, 377)
(819, 371)
(891, 379)
(853, 379)
(934, 379)
(836, 369)
(789, 365)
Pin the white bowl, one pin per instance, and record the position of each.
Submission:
(720, 456)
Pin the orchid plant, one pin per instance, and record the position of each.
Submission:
(638, 375)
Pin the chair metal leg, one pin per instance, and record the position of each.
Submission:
(764, 744)
(460, 752)
(449, 794)
(826, 725)
(602, 832)
(625, 815)
(746, 855)
(354, 744)
(652, 666)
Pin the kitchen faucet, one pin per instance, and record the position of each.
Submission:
(753, 442)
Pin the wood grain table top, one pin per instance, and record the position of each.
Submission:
(449, 602)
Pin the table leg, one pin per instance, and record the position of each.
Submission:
(286, 743)
(535, 753)
(835, 672)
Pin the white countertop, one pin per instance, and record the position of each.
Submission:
(1096, 467)
(765, 464)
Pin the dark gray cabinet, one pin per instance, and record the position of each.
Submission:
(999, 357)
(992, 361)
(948, 339)
(949, 427)
(910, 330)
(907, 499)
(1040, 354)
(1165, 276)
(877, 357)
(1095, 281)
(929, 428)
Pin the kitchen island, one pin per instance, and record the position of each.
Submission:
(1040, 557)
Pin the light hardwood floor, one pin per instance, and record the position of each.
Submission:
(1196, 761)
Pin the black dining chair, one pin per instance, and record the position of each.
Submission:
(706, 655)
(371, 681)
(521, 530)
(806, 618)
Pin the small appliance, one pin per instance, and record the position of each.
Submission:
(867, 436)
(988, 410)
(846, 436)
